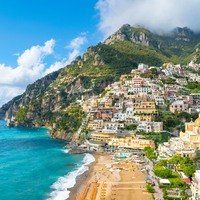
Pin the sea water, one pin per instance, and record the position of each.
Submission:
(34, 166)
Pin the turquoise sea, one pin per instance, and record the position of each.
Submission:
(34, 166)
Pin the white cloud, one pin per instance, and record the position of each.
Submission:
(7, 92)
(75, 50)
(158, 15)
(31, 66)
(76, 43)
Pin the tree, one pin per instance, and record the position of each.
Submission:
(158, 138)
(150, 153)
(189, 170)
(184, 164)
(163, 172)
(193, 87)
(176, 182)
(131, 127)
(150, 188)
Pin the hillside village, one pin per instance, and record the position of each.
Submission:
(147, 115)
(100, 100)
(155, 111)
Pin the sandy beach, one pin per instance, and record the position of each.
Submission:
(110, 179)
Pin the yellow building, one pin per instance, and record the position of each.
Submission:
(94, 103)
(145, 110)
(108, 103)
(192, 133)
(102, 137)
(147, 107)
(146, 117)
(95, 124)
(131, 143)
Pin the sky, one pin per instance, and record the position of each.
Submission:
(38, 37)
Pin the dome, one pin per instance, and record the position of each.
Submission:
(197, 121)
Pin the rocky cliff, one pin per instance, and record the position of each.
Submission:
(49, 100)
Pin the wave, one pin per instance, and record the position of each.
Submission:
(63, 184)
(65, 150)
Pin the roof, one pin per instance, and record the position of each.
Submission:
(164, 181)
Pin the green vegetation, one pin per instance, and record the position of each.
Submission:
(21, 115)
(46, 101)
(172, 46)
(177, 163)
(163, 172)
(158, 138)
(176, 182)
(173, 121)
(149, 188)
(85, 134)
(131, 127)
(153, 73)
(194, 87)
(184, 164)
(197, 159)
(99, 81)
(171, 169)
(69, 120)
(86, 82)
(150, 153)
(181, 193)
(140, 53)
(169, 81)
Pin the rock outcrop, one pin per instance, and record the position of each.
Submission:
(44, 103)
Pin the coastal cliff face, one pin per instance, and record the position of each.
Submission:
(50, 101)
(31, 94)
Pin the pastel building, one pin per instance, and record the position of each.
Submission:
(150, 126)
(195, 186)
(145, 110)
(131, 143)
(192, 133)
(178, 106)
(139, 89)
(112, 126)
(185, 145)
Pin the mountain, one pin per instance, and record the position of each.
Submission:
(33, 92)
(174, 46)
(48, 101)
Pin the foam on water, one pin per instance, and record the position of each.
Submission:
(65, 150)
(31, 161)
(63, 184)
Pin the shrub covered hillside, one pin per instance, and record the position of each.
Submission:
(50, 98)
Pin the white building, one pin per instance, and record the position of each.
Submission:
(195, 187)
(142, 67)
(178, 106)
(119, 116)
(175, 146)
(159, 100)
(129, 112)
(136, 90)
(194, 77)
(150, 126)
(112, 126)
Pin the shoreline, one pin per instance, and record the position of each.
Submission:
(111, 178)
(62, 188)
(82, 179)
